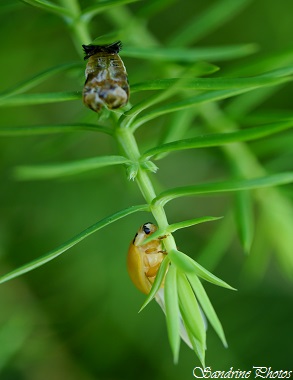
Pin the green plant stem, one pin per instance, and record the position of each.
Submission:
(77, 24)
(127, 142)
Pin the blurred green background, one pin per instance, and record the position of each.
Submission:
(76, 317)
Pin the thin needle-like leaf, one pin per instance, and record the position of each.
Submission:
(172, 311)
(225, 186)
(215, 53)
(158, 97)
(191, 313)
(37, 79)
(43, 172)
(176, 226)
(35, 99)
(181, 105)
(50, 129)
(71, 242)
(260, 63)
(204, 83)
(187, 265)
(218, 139)
(269, 78)
(157, 283)
(197, 347)
(207, 306)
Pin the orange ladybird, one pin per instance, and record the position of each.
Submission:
(143, 261)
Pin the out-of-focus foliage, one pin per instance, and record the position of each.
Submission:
(76, 318)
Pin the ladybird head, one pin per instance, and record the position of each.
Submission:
(148, 228)
(144, 231)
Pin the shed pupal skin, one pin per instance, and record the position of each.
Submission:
(143, 261)
(106, 81)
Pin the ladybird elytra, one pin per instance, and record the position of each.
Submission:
(143, 263)
(144, 260)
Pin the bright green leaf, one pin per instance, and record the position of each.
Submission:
(207, 306)
(180, 260)
(197, 347)
(187, 265)
(50, 129)
(158, 282)
(35, 99)
(149, 166)
(260, 63)
(180, 105)
(268, 78)
(191, 222)
(225, 186)
(190, 311)
(172, 88)
(218, 139)
(203, 98)
(71, 242)
(176, 226)
(37, 79)
(172, 311)
(216, 53)
(42, 172)
(273, 77)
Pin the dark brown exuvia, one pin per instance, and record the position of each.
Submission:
(106, 81)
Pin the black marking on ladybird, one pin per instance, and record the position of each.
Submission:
(146, 229)
(133, 241)
(113, 48)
